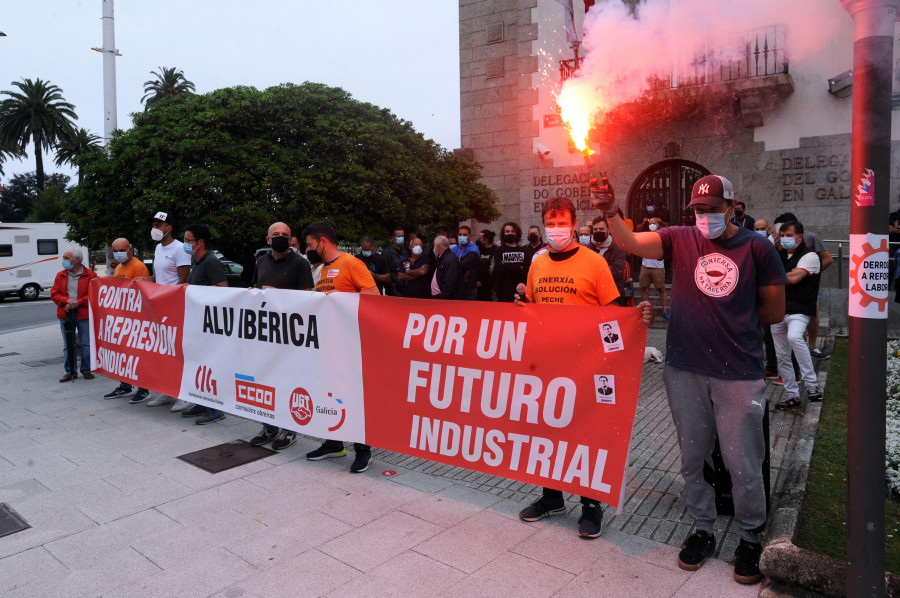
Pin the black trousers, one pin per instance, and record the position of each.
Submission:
(557, 495)
(337, 445)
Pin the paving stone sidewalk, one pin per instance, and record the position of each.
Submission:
(114, 513)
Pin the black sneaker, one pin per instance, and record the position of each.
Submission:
(194, 411)
(323, 452)
(283, 440)
(819, 354)
(787, 403)
(140, 396)
(264, 436)
(746, 562)
(542, 508)
(361, 463)
(118, 393)
(813, 393)
(590, 521)
(696, 549)
(211, 416)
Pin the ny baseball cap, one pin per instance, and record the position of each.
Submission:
(711, 190)
(162, 217)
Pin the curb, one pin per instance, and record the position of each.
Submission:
(792, 571)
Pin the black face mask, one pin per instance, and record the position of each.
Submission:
(600, 237)
(509, 239)
(533, 238)
(280, 244)
(313, 256)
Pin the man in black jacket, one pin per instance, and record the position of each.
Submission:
(446, 283)
(602, 243)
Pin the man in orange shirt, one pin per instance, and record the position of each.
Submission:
(131, 268)
(569, 274)
(342, 273)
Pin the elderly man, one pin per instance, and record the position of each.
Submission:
(70, 294)
(447, 282)
(127, 267)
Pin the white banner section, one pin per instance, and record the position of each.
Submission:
(289, 358)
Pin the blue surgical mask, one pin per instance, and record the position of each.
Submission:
(67, 264)
(120, 256)
(584, 239)
(711, 225)
(762, 233)
(789, 243)
(188, 248)
(366, 253)
(463, 240)
(399, 240)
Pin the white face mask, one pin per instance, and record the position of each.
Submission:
(558, 237)
(156, 234)
(417, 250)
(653, 227)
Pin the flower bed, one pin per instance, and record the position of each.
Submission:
(893, 418)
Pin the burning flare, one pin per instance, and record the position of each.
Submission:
(579, 102)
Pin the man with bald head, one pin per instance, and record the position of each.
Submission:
(131, 268)
(70, 294)
(281, 268)
(761, 227)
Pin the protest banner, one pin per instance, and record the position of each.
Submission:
(540, 394)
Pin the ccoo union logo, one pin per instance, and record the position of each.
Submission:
(716, 275)
(249, 392)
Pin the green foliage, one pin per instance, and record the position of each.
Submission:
(37, 113)
(822, 524)
(169, 82)
(238, 159)
(78, 144)
(19, 196)
(47, 207)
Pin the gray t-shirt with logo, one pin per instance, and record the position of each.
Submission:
(714, 323)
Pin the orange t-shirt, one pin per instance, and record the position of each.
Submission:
(581, 279)
(346, 274)
(133, 268)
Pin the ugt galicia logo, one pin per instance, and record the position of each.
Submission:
(716, 275)
(302, 409)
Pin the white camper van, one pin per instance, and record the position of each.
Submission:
(30, 256)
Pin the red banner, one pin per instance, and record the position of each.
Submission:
(540, 394)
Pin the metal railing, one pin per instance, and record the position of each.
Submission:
(840, 257)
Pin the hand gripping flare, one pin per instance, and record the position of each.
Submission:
(603, 197)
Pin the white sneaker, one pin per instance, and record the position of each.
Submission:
(181, 406)
(160, 400)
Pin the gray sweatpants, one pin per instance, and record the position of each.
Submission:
(703, 407)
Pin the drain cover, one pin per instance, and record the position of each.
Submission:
(225, 456)
(10, 521)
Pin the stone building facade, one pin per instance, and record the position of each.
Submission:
(777, 129)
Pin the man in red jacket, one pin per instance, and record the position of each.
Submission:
(70, 294)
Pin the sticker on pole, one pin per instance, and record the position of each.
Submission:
(869, 260)
(866, 189)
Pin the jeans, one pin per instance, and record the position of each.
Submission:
(788, 334)
(84, 338)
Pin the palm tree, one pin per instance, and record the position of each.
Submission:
(8, 152)
(38, 114)
(79, 144)
(168, 82)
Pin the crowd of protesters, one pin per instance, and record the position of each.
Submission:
(741, 307)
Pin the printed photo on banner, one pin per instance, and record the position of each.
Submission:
(606, 388)
(612, 337)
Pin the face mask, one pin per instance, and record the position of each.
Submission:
(533, 238)
(762, 233)
(510, 239)
(295, 250)
(399, 240)
(366, 253)
(650, 209)
(558, 237)
(789, 243)
(280, 244)
(463, 240)
(417, 250)
(313, 256)
(711, 225)
(120, 256)
(67, 264)
(600, 237)
(188, 248)
(157, 235)
(584, 239)
(653, 227)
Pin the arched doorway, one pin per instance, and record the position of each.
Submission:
(664, 191)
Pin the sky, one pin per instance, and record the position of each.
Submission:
(397, 54)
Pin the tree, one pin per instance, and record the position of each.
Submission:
(18, 197)
(8, 152)
(238, 159)
(37, 114)
(79, 144)
(47, 206)
(168, 83)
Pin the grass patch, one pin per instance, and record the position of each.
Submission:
(822, 524)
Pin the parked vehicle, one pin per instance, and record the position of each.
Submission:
(30, 257)
(233, 272)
